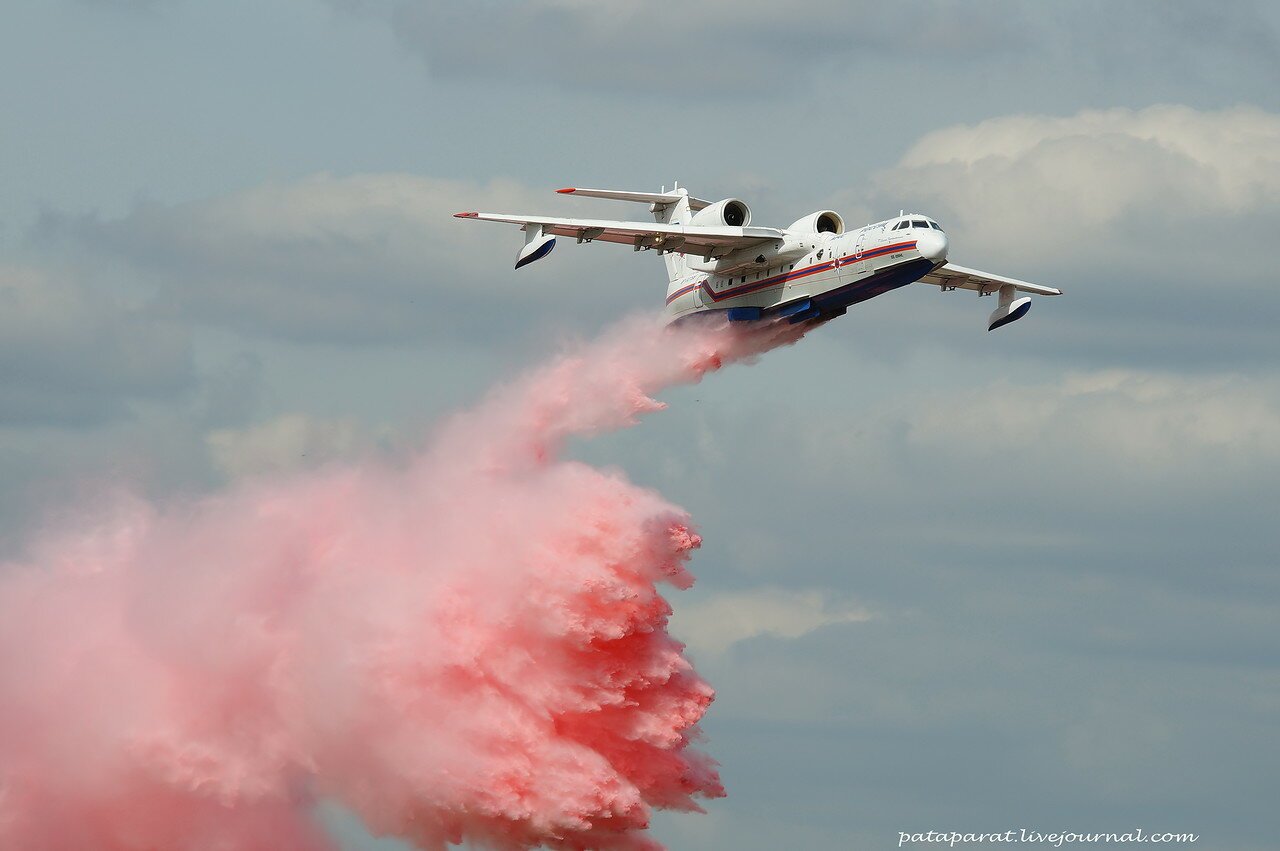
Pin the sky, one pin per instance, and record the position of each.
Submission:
(950, 580)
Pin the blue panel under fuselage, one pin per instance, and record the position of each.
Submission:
(876, 284)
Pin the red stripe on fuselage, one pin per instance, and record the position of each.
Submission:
(830, 265)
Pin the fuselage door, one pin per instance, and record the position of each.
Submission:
(857, 261)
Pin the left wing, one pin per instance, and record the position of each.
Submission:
(687, 239)
(949, 276)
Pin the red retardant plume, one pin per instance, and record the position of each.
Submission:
(467, 645)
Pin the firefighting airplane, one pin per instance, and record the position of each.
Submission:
(810, 271)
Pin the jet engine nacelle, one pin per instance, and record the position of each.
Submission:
(1010, 310)
(730, 212)
(823, 221)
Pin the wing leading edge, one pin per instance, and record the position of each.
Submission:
(952, 277)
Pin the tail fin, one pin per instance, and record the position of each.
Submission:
(674, 207)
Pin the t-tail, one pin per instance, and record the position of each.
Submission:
(675, 207)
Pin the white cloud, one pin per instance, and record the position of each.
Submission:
(1031, 185)
(713, 626)
(285, 443)
(1240, 147)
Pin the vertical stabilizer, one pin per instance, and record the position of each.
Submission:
(674, 208)
(675, 212)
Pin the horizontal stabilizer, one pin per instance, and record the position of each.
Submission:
(695, 204)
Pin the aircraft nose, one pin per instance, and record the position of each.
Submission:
(932, 245)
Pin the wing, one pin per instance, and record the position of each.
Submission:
(688, 239)
(950, 276)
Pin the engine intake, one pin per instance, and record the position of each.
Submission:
(727, 213)
(823, 221)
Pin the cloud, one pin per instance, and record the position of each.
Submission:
(713, 626)
(359, 259)
(1153, 221)
(71, 355)
(718, 47)
(700, 57)
(1115, 184)
(1038, 464)
(914, 466)
(285, 443)
(132, 6)
(1148, 421)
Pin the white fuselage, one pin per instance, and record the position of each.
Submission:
(834, 271)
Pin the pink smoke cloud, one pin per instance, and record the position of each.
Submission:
(470, 645)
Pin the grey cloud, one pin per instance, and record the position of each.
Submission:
(230, 392)
(1074, 587)
(127, 5)
(70, 355)
(745, 50)
(1109, 473)
(362, 259)
(737, 49)
(962, 715)
(138, 10)
(1066, 615)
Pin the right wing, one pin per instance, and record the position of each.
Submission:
(687, 239)
(950, 276)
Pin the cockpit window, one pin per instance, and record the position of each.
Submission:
(899, 226)
(920, 223)
(934, 225)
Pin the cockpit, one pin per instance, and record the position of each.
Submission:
(919, 223)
